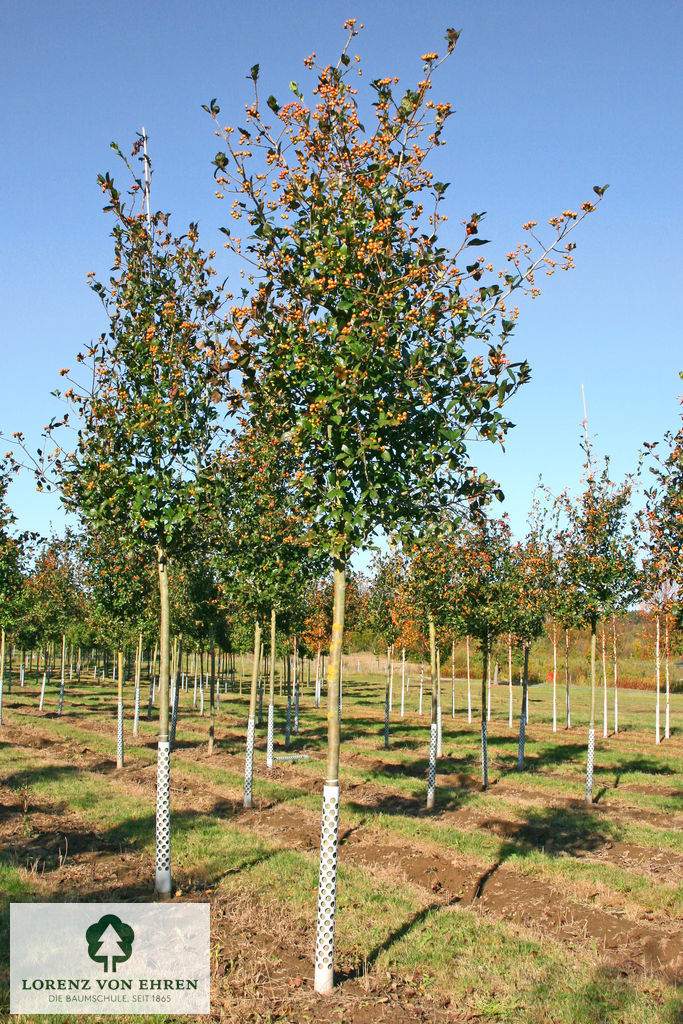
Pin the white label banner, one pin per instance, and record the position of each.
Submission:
(109, 958)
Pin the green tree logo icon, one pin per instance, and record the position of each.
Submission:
(110, 941)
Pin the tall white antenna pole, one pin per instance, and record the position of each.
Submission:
(585, 429)
(146, 165)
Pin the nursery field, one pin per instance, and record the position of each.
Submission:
(518, 904)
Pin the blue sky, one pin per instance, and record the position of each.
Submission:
(551, 98)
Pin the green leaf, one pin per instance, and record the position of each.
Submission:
(478, 241)
(254, 71)
(273, 104)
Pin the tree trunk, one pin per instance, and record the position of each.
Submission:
(138, 670)
(391, 680)
(659, 675)
(469, 685)
(605, 730)
(510, 680)
(433, 728)
(249, 760)
(554, 677)
(666, 673)
(271, 696)
(327, 882)
(591, 729)
(484, 714)
(439, 735)
(212, 698)
(403, 681)
(2, 668)
(453, 679)
(63, 676)
(119, 710)
(525, 705)
(163, 805)
(566, 678)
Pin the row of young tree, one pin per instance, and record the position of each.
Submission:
(330, 399)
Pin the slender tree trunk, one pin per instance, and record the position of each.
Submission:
(249, 761)
(317, 676)
(386, 700)
(616, 688)
(327, 882)
(287, 665)
(422, 674)
(486, 665)
(554, 677)
(138, 670)
(2, 667)
(63, 676)
(525, 705)
(591, 729)
(177, 679)
(469, 685)
(667, 732)
(119, 709)
(488, 694)
(212, 698)
(453, 679)
(295, 687)
(163, 806)
(659, 680)
(271, 696)
(433, 728)
(391, 680)
(403, 681)
(439, 735)
(509, 680)
(566, 678)
(604, 685)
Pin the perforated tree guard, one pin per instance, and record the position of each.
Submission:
(42, 692)
(327, 890)
(520, 747)
(269, 742)
(119, 735)
(386, 721)
(589, 766)
(484, 756)
(136, 714)
(249, 763)
(174, 714)
(296, 712)
(431, 778)
(288, 722)
(163, 819)
(61, 697)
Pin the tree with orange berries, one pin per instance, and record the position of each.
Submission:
(599, 546)
(376, 350)
(661, 521)
(148, 418)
